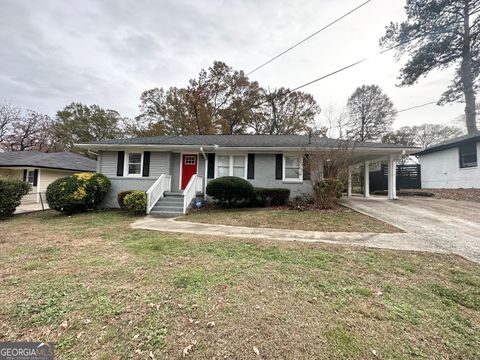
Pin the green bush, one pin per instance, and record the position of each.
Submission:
(77, 193)
(136, 202)
(327, 192)
(231, 191)
(121, 198)
(272, 197)
(11, 192)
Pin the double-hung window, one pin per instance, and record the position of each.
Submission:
(231, 165)
(133, 164)
(31, 177)
(468, 155)
(292, 168)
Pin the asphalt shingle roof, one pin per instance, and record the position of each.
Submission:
(241, 141)
(58, 160)
(451, 143)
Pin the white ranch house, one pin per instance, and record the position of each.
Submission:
(173, 170)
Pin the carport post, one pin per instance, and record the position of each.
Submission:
(349, 187)
(366, 190)
(392, 178)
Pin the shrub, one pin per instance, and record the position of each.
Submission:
(272, 197)
(121, 198)
(326, 192)
(77, 193)
(301, 202)
(11, 192)
(231, 191)
(136, 202)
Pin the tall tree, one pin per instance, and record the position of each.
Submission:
(424, 135)
(22, 130)
(78, 123)
(439, 34)
(371, 113)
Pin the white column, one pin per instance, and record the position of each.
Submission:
(349, 188)
(392, 178)
(366, 190)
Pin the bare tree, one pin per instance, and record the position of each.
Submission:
(336, 121)
(8, 115)
(30, 130)
(328, 172)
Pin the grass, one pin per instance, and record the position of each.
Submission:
(99, 289)
(342, 220)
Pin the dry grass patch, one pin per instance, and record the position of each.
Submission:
(99, 289)
(339, 220)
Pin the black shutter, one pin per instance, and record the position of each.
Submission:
(25, 175)
(146, 164)
(211, 166)
(278, 166)
(306, 168)
(120, 161)
(35, 177)
(251, 166)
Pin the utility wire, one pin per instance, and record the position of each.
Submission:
(416, 107)
(309, 37)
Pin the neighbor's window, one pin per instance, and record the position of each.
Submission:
(231, 165)
(292, 167)
(30, 177)
(468, 155)
(134, 163)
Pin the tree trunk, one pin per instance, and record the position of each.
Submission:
(467, 77)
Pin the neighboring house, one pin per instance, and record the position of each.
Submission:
(173, 169)
(40, 169)
(452, 164)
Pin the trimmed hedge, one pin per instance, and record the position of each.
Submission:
(136, 202)
(231, 191)
(121, 198)
(272, 197)
(11, 193)
(77, 193)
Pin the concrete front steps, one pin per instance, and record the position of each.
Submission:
(170, 205)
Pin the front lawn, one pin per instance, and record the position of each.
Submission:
(99, 289)
(341, 220)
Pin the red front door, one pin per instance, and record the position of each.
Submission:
(189, 168)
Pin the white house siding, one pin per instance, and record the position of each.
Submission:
(12, 174)
(107, 161)
(441, 170)
(47, 176)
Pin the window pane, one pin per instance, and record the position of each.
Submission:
(239, 171)
(291, 173)
(30, 177)
(223, 171)
(291, 162)
(468, 155)
(239, 161)
(134, 168)
(135, 158)
(223, 161)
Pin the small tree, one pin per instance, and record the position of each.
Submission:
(328, 172)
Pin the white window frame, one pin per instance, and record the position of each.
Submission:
(298, 179)
(126, 163)
(230, 164)
(33, 177)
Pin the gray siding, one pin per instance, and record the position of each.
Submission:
(175, 171)
(159, 163)
(108, 163)
(123, 184)
(265, 176)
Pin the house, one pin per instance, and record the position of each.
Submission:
(40, 169)
(452, 164)
(174, 169)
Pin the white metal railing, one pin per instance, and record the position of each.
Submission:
(194, 186)
(157, 190)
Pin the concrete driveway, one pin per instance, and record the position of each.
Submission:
(447, 226)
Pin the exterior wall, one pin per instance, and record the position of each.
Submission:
(12, 174)
(123, 184)
(441, 170)
(47, 176)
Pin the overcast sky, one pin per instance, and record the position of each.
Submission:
(107, 52)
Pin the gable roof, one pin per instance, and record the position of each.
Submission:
(448, 144)
(37, 159)
(244, 141)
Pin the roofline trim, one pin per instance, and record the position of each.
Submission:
(44, 167)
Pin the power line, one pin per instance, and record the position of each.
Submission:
(309, 37)
(417, 106)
